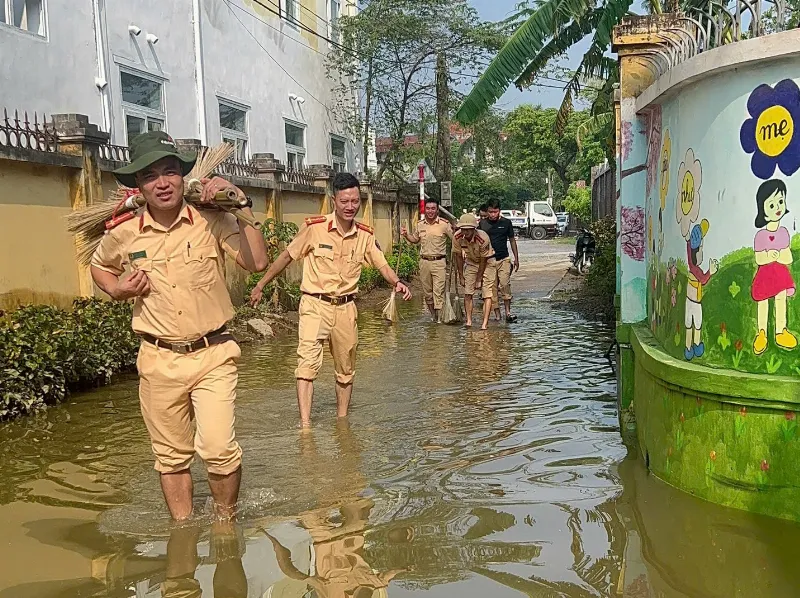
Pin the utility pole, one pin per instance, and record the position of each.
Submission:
(442, 120)
(367, 109)
(549, 188)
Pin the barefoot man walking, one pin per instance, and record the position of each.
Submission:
(480, 271)
(187, 360)
(333, 248)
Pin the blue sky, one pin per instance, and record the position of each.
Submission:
(496, 10)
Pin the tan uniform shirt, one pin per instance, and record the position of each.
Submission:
(479, 247)
(332, 261)
(188, 297)
(433, 237)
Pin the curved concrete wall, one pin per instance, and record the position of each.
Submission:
(715, 265)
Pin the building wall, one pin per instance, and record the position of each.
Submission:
(703, 177)
(714, 380)
(54, 73)
(283, 60)
(37, 263)
(171, 59)
(250, 57)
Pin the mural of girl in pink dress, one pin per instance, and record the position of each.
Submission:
(773, 280)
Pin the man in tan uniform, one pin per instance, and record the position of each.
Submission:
(187, 360)
(333, 248)
(432, 234)
(480, 271)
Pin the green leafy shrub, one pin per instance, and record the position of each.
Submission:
(409, 266)
(45, 352)
(280, 293)
(601, 281)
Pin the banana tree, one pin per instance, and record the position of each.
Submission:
(552, 27)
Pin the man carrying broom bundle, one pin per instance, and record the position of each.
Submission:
(334, 248)
(480, 270)
(432, 234)
(187, 360)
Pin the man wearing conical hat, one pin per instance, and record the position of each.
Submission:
(187, 359)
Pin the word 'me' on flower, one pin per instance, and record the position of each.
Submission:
(771, 134)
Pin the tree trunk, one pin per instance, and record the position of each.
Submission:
(442, 120)
(367, 109)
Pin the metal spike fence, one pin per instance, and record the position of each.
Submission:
(39, 135)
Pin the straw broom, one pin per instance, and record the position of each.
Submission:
(449, 315)
(90, 224)
(390, 307)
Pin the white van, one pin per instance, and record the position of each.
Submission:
(542, 220)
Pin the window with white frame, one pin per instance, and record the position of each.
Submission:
(142, 104)
(233, 127)
(338, 154)
(28, 15)
(292, 10)
(334, 9)
(295, 145)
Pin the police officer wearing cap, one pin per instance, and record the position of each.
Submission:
(432, 234)
(333, 248)
(187, 360)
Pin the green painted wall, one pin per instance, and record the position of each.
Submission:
(728, 437)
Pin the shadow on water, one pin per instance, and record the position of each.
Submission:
(473, 464)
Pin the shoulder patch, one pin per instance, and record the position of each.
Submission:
(480, 240)
(315, 220)
(364, 227)
(459, 235)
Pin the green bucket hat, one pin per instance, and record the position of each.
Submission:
(149, 148)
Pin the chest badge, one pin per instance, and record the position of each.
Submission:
(324, 246)
(137, 255)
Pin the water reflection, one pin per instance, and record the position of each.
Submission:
(473, 464)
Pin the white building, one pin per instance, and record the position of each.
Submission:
(248, 71)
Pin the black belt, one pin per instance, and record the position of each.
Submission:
(430, 258)
(333, 300)
(220, 335)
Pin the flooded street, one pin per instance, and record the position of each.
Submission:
(473, 464)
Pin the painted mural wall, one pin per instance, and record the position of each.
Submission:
(722, 202)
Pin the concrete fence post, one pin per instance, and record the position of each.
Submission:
(78, 137)
(323, 177)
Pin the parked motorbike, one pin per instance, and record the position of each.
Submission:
(584, 251)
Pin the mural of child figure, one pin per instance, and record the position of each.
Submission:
(694, 289)
(773, 280)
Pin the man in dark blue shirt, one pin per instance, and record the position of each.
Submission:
(501, 232)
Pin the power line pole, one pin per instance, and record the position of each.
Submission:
(442, 119)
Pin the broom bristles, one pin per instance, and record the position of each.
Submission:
(448, 313)
(89, 224)
(390, 309)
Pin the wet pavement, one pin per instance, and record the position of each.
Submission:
(473, 464)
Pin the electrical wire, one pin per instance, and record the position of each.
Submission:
(279, 65)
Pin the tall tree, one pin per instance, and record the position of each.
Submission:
(389, 50)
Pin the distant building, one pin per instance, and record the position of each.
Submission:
(250, 72)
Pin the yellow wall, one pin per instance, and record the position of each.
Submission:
(382, 218)
(37, 255)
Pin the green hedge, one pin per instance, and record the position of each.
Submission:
(600, 284)
(409, 266)
(45, 352)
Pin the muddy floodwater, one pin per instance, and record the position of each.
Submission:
(474, 464)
